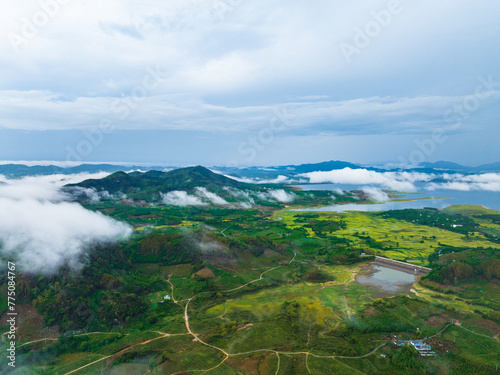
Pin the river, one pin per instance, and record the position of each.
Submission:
(434, 199)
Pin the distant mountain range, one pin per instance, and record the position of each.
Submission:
(20, 170)
(446, 165)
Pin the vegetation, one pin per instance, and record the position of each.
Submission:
(266, 289)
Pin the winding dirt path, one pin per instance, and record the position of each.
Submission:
(124, 350)
(225, 353)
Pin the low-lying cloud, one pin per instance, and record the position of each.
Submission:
(212, 197)
(478, 182)
(201, 197)
(40, 230)
(278, 195)
(401, 181)
(182, 198)
(376, 194)
(41, 236)
(278, 180)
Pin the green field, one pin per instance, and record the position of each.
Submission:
(266, 291)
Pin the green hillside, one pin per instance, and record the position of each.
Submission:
(149, 185)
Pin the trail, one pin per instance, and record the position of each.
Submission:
(81, 334)
(172, 285)
(225, 353)
(34, 341)
(224, 313)
(441, 330)
(250, 282)
(309, 335)
(307, 364)
(124, 350)
(222, 231)
(494, 337)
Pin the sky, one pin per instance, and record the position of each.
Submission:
(236, 83)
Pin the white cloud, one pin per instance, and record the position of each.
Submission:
(376, 194)
(201, 197)
(182, 198)
(41, 231)
(278, 195)
(181, 111)
(212, 197)
(42, 187)
(480, 182)
(244, 205)
(216, 55)
(95, 196)
(278, 180)
(245, 199)
(401, 181)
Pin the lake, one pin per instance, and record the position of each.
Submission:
(387, 281)
(484, 198)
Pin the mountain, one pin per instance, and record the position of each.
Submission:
(448, 165)
(21, 170)
(148, 185)
(191, 177)
(493, 167)
(454, 167)
(319, 167)
(287, 170)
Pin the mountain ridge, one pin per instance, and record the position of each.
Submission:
(151, 184)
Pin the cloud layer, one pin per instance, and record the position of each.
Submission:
(401, 181)
(40, 230)
(244, 198)
(480, 182)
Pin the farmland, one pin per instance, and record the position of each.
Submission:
(267, 291)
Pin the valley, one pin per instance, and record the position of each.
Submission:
(268, 290)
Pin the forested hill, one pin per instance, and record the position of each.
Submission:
(153, 181)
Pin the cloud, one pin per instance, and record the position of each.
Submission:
(41, 236)
(338, 190)
(43, 187)
(93, 195)
(376, 194)
(241, 194)
(212, 249)
(478, 182)
(202, 197)
(278, 180)
(41, 231)
(279, 195)
(401, 181)
(212, 197)
(182, 198)
(216, 55)
(245, 199)
(182, 111)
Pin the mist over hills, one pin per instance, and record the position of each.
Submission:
(21, 170)
(191, 186)
(151, 181)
